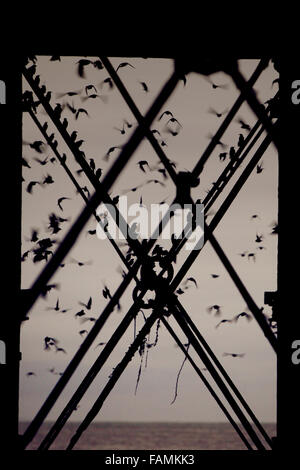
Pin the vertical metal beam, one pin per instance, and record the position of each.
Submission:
(11, 150)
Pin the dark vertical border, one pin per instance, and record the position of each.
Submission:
(11, 150)
(288, 396)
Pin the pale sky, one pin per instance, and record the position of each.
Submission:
(255, 373)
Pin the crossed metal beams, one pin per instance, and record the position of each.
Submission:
(142, 124)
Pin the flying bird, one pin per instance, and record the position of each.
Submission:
(80, 313)
(112, 149)
(109, 81)
(60, 350)
(81, 110)
(167, 113)
(223, 321)
(259, 168)
(88, 305)
(81, 64)
(56, 308)
(30, 186)
(234, 354)
(216, 113)
(241, 140)
(90, 87)
(144, 86)
(192, 279)
(82, 332)
(106, 293)
(124, 64)
(222, 156)
(242, 314)
(215, 308)
(274, 229)
(259, 238)
(48, 180)
(41, 162)
(244, 125)
(91, 319)
(81, 263)
(60, 200)
(142, 163)
(251, 255)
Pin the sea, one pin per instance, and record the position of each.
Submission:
(147, 436)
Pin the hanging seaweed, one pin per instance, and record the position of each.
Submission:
(179, 372)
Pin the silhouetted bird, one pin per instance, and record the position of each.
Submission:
(234, 354)
(251, 255)
(259, 238)
(98, 173)
(242, 314)
(110, 151)
(48, 288)
(81, 263)
(167, 113)
(60, 350)
(274, 229)
(92, 164)
(48, 180)
(244, 125)
(59, 201)
(259, 168)
(48, 342)
(144, 86)
(81, 110)
(179, 291)
(25, 163)
(25, 255)
(88, 305)
(214, 276)
(98, 64)
(155, 181)
(38, 146)
(30, 374)
(218, 114)
(56, 308)
(91, 319)
(80, 313)
(215, 308)
(106, 293)
(109, 81)
(222, 156)
(30, 186)
(81, 64)
(124, 64)
(82, 332)
(142, 163)
(232, 153)
(192, 279)
(122, 131)
(41, 162)
(90, 87)
(241, 140)
(223, 321)
(215, 86)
